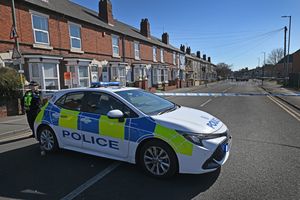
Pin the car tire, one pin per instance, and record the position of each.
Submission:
(47, 139)
(158, 159)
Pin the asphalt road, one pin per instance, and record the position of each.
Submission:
(264, 161)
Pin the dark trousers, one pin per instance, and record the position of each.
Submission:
(31, 115)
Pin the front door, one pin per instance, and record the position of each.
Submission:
(64, 119)
(101, 134)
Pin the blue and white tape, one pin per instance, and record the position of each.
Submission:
(172, 94)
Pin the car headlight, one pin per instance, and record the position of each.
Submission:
(199, 137)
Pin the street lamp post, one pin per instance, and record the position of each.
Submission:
(289, 41)
(263, 68)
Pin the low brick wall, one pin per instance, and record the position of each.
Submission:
(167, 88)
(3, 111)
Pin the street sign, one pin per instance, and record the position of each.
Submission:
(67, 78)
(16, 54)
(13, 33)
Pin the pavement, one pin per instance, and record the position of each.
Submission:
(13, 127)
(274, 88)
(264, 162)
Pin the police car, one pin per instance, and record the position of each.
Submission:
(132, 125)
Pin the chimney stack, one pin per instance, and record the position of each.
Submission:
(182, 48)
(204, 56)
(208, 59)
(198, 54)
(105, 12)
(145, 28)
(188, 50)
(165, 38)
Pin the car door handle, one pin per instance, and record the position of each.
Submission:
(85, 120)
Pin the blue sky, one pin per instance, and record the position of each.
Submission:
(232, 31)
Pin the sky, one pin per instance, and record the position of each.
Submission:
(236, 32)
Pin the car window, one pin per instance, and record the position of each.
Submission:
(71, 101)
(101, 103)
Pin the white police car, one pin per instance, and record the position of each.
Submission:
(135, 126)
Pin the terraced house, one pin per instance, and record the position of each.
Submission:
(65, 45)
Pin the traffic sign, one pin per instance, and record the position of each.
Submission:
(16, 54)
(13, 33)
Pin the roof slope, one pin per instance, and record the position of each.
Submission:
(71, 9)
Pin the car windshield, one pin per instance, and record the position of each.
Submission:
(146, 102)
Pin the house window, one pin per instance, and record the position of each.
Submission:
(115, 46)
(80, 76)
(162, 55)
(75, 36)
(137, 50)
(154, 54)
(174, 58)
(51, 76)
(46, 74)
(40, 29)
(118, 73)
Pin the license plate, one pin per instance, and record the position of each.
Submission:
(225, 147)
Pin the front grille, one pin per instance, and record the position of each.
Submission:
(218, 155)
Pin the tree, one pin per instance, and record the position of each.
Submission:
(275, 56)
(10, 83)
(223, 70)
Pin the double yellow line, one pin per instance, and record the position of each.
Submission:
(292, 112)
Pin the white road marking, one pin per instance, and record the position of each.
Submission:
(91, 182)
(287, 109)
(206, 102)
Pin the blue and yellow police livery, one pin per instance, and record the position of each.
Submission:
(135, 126)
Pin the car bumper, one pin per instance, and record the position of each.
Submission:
(207, 158)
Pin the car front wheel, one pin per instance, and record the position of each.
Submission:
(158, 159)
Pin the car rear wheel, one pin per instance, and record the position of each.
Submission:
(47, 139)
(158, 159)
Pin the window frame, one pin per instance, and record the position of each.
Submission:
(115, 46)
(154, 49)
(174, 58)
(41, 15)
(74, 37)
(162, 58)
(65, 97)
(137, 51)
(110, 96)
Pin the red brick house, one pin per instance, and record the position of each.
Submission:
(60, 36)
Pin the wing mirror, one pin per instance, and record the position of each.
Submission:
(116, 114)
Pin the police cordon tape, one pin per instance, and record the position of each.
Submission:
(201, 94)
(222, 94)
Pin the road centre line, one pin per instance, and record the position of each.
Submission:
(206, 102)
(91, 181)
(284, 107)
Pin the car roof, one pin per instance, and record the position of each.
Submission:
(110, 89)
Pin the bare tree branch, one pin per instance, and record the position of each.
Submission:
(275, 56)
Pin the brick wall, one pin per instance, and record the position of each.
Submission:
(96, 43)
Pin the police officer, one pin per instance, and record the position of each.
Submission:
(31, 103)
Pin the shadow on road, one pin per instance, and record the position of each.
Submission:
(128, 182)
(25, 174)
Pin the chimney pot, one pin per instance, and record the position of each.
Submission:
(165, 38)
(145, 28)
(208, 59)
(105, 11)
(198, 54)
(204, 56)
(182, 48)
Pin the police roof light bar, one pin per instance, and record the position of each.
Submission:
(104, 84)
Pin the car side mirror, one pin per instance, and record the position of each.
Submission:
(116, 114)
